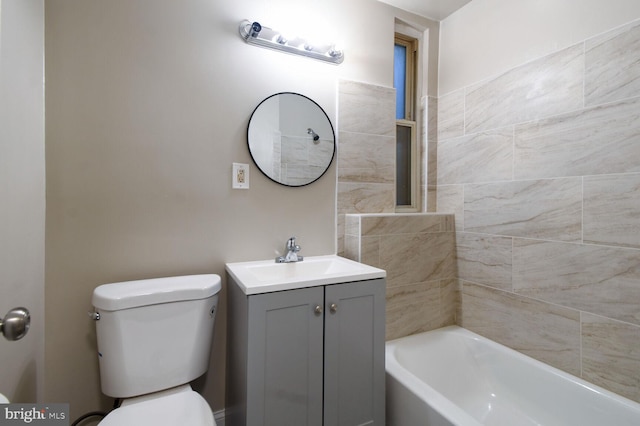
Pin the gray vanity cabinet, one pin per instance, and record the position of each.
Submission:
(284, 368)
(354, 371)
(312, 356)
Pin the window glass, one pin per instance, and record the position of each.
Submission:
(403, 165)
(400, 79)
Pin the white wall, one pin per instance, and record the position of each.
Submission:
(487, 37)
(22, 195)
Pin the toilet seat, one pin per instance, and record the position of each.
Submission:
(180, 406)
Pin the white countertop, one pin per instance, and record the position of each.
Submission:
(264, 276)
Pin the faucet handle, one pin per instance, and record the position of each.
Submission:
(291, 244)
(292, 252)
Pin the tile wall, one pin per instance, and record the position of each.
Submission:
(366, 151)
(416, 250)
(541, 166)
(429, 156)
(418, 253)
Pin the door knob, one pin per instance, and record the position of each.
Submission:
(317, 309)
(15, 324)
(333, 308)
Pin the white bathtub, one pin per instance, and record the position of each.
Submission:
(452, 376)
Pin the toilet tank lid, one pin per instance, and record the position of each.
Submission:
(131, 294)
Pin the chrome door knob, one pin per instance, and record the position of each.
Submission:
(317, 309)
(15, 324)
(333, 308)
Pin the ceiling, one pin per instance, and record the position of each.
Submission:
(434, 9)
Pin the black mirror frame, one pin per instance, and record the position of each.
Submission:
(330, 125)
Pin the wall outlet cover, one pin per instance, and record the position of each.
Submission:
(240, 176)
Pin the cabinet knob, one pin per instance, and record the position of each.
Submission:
(317, 310)
(333, 308)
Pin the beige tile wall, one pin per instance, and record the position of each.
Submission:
(418, 253)
(416, 250)
(429, 160)
(541, 166)
(366, 151)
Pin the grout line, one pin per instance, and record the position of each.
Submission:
(582, 212)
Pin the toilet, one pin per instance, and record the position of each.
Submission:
(154, 337)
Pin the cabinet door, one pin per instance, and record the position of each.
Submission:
(285, 358)
(354, 354)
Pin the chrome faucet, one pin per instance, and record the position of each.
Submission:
(292, 252)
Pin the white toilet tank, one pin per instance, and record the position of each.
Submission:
(154, 334)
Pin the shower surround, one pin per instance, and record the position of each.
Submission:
(541, 166)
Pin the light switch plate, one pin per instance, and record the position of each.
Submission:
(240, 176)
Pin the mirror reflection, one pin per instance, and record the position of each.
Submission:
(291, 139)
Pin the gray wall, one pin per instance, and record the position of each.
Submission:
(147, 106)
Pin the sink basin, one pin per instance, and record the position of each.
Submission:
(265, 276)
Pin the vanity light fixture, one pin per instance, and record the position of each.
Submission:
(254, 33)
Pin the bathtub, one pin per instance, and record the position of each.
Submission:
(451, 376)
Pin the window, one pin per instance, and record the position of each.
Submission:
(404, 81)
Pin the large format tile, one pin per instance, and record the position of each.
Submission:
(432, 115)
(429, 159)
(365, 198)
(543, 331)
(479, 157)
(548, 209)
(370, 251)
(414, 258)
(594, 141)
(431, 162)
(376, 163)
(449, 301)
(431, 200)
(612, 210)
(351, 248)
(542, 88)
(451, 115)
(484, 259)
(410, 223)
(450, 199)
(366, 120)
(364, 108)
(413, 309)
(612, 69)
(352, 224)
(611, 355)
(596, 279)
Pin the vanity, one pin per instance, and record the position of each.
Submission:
(305, 343)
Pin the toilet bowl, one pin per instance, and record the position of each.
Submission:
(172, 407)
(154, 337)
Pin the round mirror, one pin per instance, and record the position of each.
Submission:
(291, 139)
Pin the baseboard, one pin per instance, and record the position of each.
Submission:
(219, 417)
